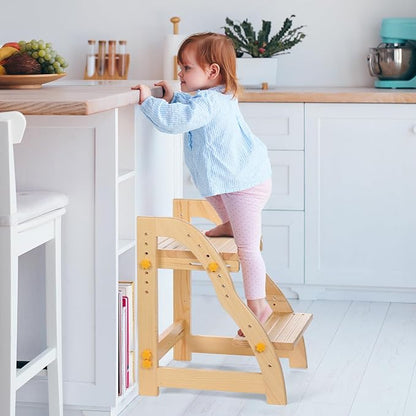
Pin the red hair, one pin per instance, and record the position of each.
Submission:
(214, 48)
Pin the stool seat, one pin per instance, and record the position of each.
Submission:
(171, 250)
(33, 204)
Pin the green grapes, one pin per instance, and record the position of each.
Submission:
(50, 61)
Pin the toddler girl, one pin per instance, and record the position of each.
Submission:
(228, 164)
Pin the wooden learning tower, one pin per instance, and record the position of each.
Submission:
(173, 243)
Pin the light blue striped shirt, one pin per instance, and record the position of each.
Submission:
(221, 152)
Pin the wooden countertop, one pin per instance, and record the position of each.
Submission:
(80, 98)
(329, 95)
(77, 97)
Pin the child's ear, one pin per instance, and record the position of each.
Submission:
(214, 71)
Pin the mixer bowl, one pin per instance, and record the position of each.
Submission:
(392, 61)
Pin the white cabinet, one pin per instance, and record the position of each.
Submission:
(360, 213)
(281, 128)
(341, 220)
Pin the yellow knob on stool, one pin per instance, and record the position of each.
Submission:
(146, 358)
(213, 267)
(146, 354)
(145, 264)
(260, 347)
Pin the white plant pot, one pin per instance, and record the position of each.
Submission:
(253, 72)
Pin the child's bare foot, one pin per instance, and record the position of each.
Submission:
(222, 230)
(261, 309)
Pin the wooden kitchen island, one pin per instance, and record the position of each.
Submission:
(89, 141)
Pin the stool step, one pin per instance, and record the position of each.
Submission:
(173, 248)
(284, 330)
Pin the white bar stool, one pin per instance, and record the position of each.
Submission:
(27, 220)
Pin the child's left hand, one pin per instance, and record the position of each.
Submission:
(145, 92)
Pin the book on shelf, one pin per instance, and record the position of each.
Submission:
(122, 306)
(127, 289)
(132, 367)
(125, 336)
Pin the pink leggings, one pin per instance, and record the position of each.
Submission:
(243, 210)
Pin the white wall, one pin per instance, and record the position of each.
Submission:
(334, 52)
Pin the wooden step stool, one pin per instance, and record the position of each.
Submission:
(173, 243)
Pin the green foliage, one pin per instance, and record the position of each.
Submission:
(261, 45)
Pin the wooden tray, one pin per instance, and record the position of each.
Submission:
(27, 81)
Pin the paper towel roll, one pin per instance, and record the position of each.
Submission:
(172, 44)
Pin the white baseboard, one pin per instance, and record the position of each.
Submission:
(369, 294)
(313, 292)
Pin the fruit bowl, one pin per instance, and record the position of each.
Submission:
(27, 81)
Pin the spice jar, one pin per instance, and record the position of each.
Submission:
(91, 58)
(101, 57)
(111, 68)
(122, 58)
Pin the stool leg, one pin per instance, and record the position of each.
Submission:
(147, 317)
(54, 320)
(8, 321)
(182, 312)
(279, 303)
(297, 358)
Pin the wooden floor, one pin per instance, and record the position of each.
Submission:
(362, 362)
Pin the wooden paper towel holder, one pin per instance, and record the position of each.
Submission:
(175, 21)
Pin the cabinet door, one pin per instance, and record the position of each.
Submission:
(283, 246)
(279, 126)
(360, 206)
(288, 180)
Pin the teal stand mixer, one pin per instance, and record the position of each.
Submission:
(393, 62)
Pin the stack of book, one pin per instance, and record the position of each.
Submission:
(125, 336)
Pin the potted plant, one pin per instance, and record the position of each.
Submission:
(261, 45)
